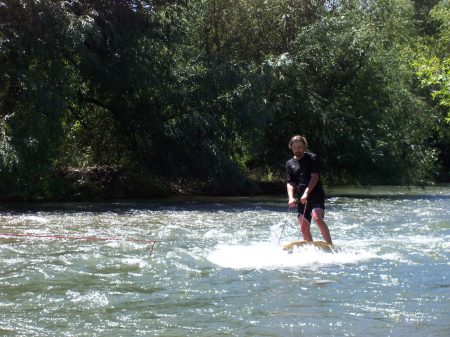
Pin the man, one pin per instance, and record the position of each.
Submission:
(303, 180)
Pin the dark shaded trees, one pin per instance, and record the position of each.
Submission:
(210, 91)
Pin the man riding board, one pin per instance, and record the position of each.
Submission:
(303, 181)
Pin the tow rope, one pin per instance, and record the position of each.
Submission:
(288, 212)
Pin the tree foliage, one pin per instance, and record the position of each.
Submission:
(211, 90)
(433, 64)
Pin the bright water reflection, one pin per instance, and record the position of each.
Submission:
(217, 269)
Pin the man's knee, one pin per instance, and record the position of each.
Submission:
(317, 214)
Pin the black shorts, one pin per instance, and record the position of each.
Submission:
(317, 202)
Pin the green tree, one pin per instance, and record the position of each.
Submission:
(432, 66)
(89, 77)
(209, 91)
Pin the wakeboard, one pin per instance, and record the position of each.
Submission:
(326, 247)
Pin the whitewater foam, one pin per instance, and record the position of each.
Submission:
(272, 256)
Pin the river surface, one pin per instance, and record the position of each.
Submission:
(217, 268)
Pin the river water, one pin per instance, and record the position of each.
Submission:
(217, 268)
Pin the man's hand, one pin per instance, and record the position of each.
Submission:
(292, 202)
(304, 198)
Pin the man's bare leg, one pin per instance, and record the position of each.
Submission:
(317, 215)
(305, 228)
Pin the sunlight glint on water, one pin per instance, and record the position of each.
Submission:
(218, 269)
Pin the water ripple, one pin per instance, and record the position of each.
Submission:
(219, 268)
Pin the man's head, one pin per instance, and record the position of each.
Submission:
(298, 145)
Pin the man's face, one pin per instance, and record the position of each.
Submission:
(298, 148)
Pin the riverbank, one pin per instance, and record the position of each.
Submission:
(109, 183)
(106, 183)
(102, 183)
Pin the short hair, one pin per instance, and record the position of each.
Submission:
(298, 138)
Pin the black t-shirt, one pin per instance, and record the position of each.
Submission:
(298, 173)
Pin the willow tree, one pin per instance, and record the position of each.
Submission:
(32, 92)
(83, 83)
